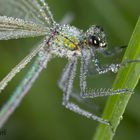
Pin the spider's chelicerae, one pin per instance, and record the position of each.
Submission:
(30, 18)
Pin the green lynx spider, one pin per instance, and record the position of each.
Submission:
(30, 18)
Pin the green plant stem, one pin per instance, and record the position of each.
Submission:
(126, 78)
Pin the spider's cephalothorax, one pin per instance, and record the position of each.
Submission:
(70, 40)
(95, 38)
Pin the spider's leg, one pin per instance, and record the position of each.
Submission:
(89, 104)
(67, 93)
(19, 67)
(91, 93)
(114, 52)
(62, 85)
(24, 86)
(101, 69)
(111, 67)
(64, 76)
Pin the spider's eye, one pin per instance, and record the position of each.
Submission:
(94, 41)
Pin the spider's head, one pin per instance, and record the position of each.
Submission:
(95, 38)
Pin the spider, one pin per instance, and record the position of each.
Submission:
(33, 18)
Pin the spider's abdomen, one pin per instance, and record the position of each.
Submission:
(70, 36)
(62, 41)
(65, 43)
(71, 43)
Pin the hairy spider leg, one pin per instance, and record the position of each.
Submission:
(76, 96)
(91, 93)
(114, 52)
(67, 91)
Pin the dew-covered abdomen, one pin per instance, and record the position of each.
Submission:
(66, 41)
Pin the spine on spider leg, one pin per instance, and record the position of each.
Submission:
(23, 88)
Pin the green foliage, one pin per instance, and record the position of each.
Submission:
(127, 78)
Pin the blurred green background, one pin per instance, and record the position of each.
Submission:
(41, 115)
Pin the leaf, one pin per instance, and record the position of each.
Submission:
(126, 78)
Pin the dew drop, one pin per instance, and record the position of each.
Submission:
(121, 117)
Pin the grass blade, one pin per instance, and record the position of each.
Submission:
(126, 78)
